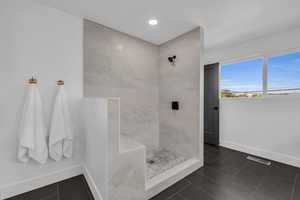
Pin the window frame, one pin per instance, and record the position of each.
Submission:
(265, 71)
(234, 61)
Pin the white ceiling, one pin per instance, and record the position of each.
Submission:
(226, 22)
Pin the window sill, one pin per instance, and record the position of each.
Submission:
(287, 96)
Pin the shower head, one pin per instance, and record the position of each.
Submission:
(172, 59)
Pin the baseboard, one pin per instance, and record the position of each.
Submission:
(96, 193)
(279, 157)
(27, 185)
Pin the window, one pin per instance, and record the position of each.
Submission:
(284, 74)
(278, 75)
(242, 79)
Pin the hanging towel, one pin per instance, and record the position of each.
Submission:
(61, 135)
(32, 130)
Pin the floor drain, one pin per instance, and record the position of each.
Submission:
(259, 160)
(150, 161)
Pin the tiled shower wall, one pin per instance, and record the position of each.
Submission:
(118, 65)
(179, 130)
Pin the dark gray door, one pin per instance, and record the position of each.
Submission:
(211, 104)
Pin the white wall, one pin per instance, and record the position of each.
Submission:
(269, 126)
(277, 43)
(48, 43)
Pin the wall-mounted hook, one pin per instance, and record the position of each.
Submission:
(32, 80)
(60, 82)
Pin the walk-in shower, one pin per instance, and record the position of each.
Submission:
(158, 139)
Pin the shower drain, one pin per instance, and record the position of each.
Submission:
(150, 161)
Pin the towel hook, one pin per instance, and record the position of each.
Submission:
(32, 80)
(60, 82)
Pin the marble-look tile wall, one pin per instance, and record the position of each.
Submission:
(118, 65)
(115, 164)
(127, 175)
(179, 130)
(126, 160)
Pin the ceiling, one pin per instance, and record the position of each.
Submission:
(226, 22)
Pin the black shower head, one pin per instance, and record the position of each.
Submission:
(172, 59)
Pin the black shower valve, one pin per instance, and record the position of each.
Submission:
(175, 105)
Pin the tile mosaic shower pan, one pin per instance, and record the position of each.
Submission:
(159, 161)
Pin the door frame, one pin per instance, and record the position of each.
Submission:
(219, 98)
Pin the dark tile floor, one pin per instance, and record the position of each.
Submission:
(227, 175)
(70, 189)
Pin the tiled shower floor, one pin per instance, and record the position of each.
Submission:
(159, 161)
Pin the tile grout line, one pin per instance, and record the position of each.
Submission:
(48, 197)
(243, 166)
(58, 194)
(260, 183)
(240, 169)
(294, 186)
(182, 196)
(199, 188)
(181, 189)
(203, 190)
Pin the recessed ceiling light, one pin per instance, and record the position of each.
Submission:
(152, 22)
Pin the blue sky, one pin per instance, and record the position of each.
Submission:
(284, 72)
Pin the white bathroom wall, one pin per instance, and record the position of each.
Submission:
(275, 43)
(267, 127)
(118, 65)
(47, 43)
(180, 130)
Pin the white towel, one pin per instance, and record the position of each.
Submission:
(61, 135)
(32, 132)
